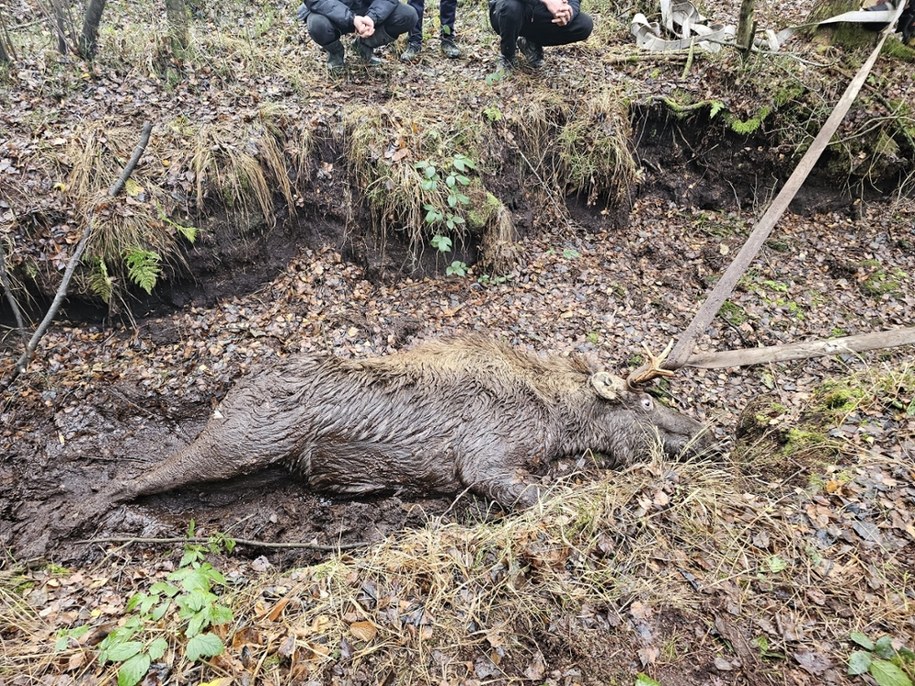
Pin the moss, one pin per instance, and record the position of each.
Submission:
(748, 126)
(836, 397)
(898, 50)
(733, 314)
(800, 440)
(788, 92)
(481, 213)
(880, 282)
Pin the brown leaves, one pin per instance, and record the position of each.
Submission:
(363, 631)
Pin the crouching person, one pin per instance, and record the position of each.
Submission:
(529, 25)
(375, 22)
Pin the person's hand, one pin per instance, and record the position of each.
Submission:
(365, 27)
(561, 11)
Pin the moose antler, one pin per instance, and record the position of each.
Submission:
(652, 368)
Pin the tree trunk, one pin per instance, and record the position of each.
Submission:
(4, 54)
(61, 22)
(88, 40)
(746, 27)
(179, 19)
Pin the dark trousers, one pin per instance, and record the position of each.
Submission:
(447, 11)
(513, 18)
(324, 32)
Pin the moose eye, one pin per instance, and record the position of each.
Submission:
(647, 404)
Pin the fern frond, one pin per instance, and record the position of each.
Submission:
(143, 267)
(100, 282)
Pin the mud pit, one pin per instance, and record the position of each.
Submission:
(100, 402)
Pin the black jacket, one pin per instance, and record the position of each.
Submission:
(539, 7)
(341, 12)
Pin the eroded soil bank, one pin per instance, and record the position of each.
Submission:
(100, 402)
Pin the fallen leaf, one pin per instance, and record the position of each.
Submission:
(811, 662)
(363, 631)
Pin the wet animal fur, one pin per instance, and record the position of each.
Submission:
(469, 413)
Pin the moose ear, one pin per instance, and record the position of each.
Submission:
(607, 385)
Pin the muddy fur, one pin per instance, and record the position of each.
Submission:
(443, 417)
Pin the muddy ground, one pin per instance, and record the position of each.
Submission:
(105, 400)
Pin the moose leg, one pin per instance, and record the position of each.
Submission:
(511, 491)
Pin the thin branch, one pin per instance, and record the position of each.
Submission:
(116, 187)
(240, 541)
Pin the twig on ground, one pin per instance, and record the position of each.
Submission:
(240, 541)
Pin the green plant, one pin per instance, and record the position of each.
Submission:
(189, 591)
(571, 253)
(100, 282)
(143, 267)
(454, 179)
(441, 243)
(492, 113)
(133, 657)
(62, 640)
(457, 268)
(887, 665)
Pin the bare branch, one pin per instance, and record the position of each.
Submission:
(240, 541)
(801, 351)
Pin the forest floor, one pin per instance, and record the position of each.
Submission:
(784, 558)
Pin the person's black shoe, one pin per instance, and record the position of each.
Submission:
(367, 54)
(506, 66)
(450, 49)
(335, 54)
(412, 52)
(532, 52)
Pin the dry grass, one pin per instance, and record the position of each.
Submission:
(383, 147)
(579, 146)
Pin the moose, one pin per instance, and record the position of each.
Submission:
(463, 414)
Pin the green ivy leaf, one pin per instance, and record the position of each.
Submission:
(119, 652)
(645, 680)
(441, 243)
(858, 662)
(213, 574)
(885, 673)
(204, 645)
(157, 648)
(862, 640)
(197, 623)
(131, 672)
